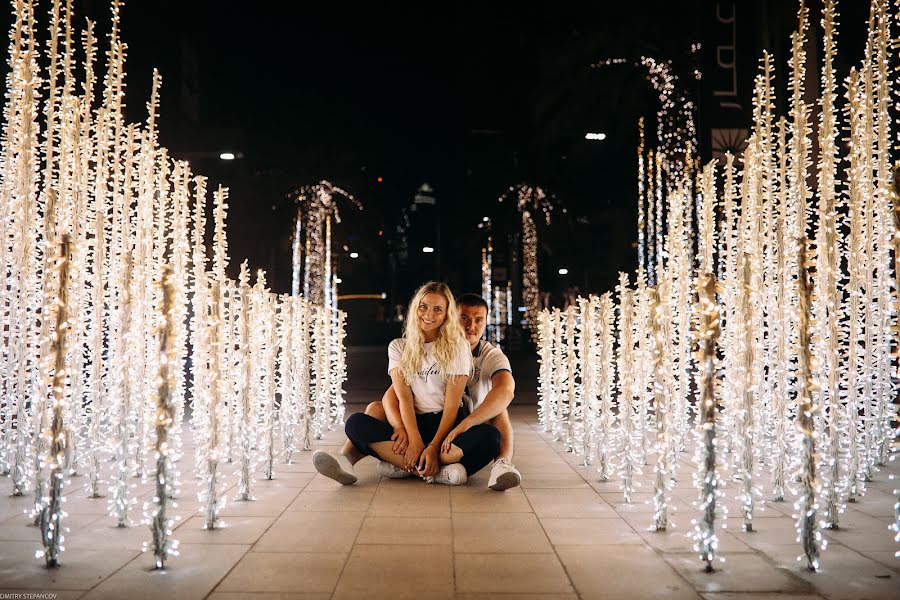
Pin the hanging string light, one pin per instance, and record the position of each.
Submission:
(50, 507)
(707, 476)
(155, 511)
(808, 533)
(651, 221)
(245, 407)
(642, 258)
(630, 461)
(316, 208)
(827, 300)
(546, 390)
(531, 203)
(211, 498)
(659, 327)
(586, 438)
(605, 386)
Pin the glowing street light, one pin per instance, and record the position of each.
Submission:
(354, 255)
(563, 271)
(427, 249)
(227, 156)
(595, 136)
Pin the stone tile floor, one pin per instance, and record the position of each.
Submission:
(562, 534)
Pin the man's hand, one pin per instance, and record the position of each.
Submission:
(456, 431)
(414, 450)
(428, 462)
(400, 439)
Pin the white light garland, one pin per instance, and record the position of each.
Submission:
(803, 393)
(707, 477)
(827, 299)
(50, 507)
(73, 168)
(211, 498)
(807, 506)
(662, 404)
(316, 208)
(244, 405)
(155, 511)
(532, 202)
(605, 386)
(630, 460)
(546, 390)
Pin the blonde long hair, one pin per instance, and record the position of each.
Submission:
(447, 343)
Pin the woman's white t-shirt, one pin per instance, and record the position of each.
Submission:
(428, 386)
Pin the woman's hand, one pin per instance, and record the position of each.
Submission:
(428, 463)
(414, 450)
(400, 439)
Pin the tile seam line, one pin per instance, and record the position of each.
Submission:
(552, 545)
(356, 537)
(99, 583)
(250, 549)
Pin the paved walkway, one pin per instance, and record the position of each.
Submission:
(561, 535)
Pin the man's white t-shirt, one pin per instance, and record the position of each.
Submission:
(429, 386)
(488, 361)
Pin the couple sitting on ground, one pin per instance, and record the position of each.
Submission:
(445, 415)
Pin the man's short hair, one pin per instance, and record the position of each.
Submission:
(471, 300)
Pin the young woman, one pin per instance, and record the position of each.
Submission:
(429, 367)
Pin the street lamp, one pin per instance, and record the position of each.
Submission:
(427, 249)
(563, 271)
(227, 156)
(354, 255)
(595, 136)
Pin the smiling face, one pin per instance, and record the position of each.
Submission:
(431, 312)
(474, 320)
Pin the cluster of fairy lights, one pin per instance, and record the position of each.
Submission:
(670, 161)
(312, 262)
(790, 338)
(533, 203)
(499, 297)
(107, 286)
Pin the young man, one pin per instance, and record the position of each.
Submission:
(489, 392)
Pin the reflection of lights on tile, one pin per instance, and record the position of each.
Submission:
(427, 249)
(227, 156)
(563, 271)
(354, 255)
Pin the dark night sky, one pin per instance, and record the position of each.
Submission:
(469, 96)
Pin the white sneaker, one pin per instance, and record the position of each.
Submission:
(335, 466)
(504, 475)
(454, 474)
(386, 469)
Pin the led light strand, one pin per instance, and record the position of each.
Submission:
(155, 511)
(707, 476)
